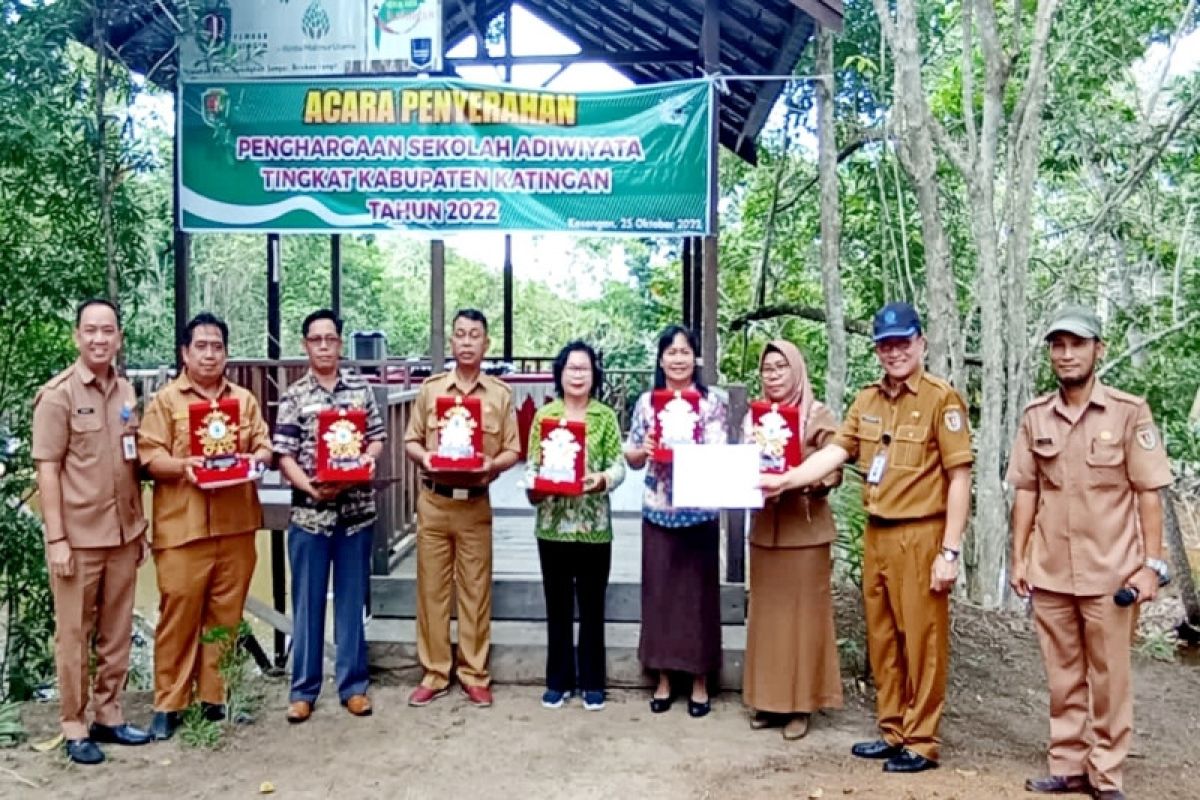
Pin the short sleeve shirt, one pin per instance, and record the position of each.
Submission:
(921, 432)
(184, 513)
(78, 423)
(500, 433)
(656, 500)
(1087, 468)
(296, 436)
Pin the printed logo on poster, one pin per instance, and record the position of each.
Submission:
(212, 28)
(215, 106)
(406, 31)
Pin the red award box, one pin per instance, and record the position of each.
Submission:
(676, 421)
(214, 427)
(341, 442)
(775, 428)
(563, 454)
(460, 433)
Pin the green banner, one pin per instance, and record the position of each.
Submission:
(444, 156)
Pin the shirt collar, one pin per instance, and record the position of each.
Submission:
(912, 382)
(188, 386)
(1098, 397)
(457, 382)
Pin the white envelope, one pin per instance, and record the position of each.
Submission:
(716, 476)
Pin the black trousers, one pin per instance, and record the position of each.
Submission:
(575, 572)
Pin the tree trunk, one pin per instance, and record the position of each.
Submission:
(942, 322)
(103, 178)
(1181, 568)
(831, 228)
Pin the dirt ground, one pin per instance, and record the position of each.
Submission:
(995, 728)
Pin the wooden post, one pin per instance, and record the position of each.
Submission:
(335, 273)
(385, 520)
(181, 248)
(697, 286)
(685, 274)
(508, 299)
(270, 406)
(437, 306)
(710, 36)
(735, 519)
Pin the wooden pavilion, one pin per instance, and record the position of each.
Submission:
(646, 40)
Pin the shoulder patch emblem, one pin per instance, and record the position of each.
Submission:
(1147, 437)
(954, 420)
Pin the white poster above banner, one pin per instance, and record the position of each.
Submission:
(405, 35)
(297, 38)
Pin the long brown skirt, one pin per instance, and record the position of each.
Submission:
(681, 598)
(791, 647)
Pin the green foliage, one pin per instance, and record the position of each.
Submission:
(28, 656)
(12, 730)
(851, 518)
(1160, 645)
(241, 699)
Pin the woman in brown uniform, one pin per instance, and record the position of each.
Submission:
(791, 648)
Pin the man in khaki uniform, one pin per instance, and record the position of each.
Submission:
(1087, 521)
(203, 539)
(908, 434)
(454, 520)
(84, 423)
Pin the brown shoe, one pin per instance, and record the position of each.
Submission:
(299, 711)
(796, 728)
(1059, 784)
(359, 705)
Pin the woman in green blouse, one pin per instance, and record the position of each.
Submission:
(575, 533)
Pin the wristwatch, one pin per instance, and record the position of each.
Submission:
(1160, 568)
(950, 554)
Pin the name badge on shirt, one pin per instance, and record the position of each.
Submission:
(129, 446)
(878, 465)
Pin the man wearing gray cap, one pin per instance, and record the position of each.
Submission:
(1087, 543)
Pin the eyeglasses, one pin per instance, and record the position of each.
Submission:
(771, 370)
(329, 341)
(895, 345)
(577, 368)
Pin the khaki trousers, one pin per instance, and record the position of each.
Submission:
(454, 558)
(1085, 649)
(97, 599)
(908, 632)
(201, 585)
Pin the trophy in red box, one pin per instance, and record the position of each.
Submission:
(460, 434)
(214, 426)
(341, 442)
(775, 428)
(676, 421)
(563, 456)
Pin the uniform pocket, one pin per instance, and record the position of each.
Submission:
(869, 436)
(910, 445)
(1106, 464)
(87, 436)
(1049, 463)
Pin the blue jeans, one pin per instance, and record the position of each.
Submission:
(310, 556)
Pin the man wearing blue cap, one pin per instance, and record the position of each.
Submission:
(1087, 524)
(908, 434)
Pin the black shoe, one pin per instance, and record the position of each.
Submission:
(1060, 784)
(878, 749)
(697, 709)
(908, 761)
(123, 734)
(659, 705)
(84, 751)
(215, 712)
(164, 724)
